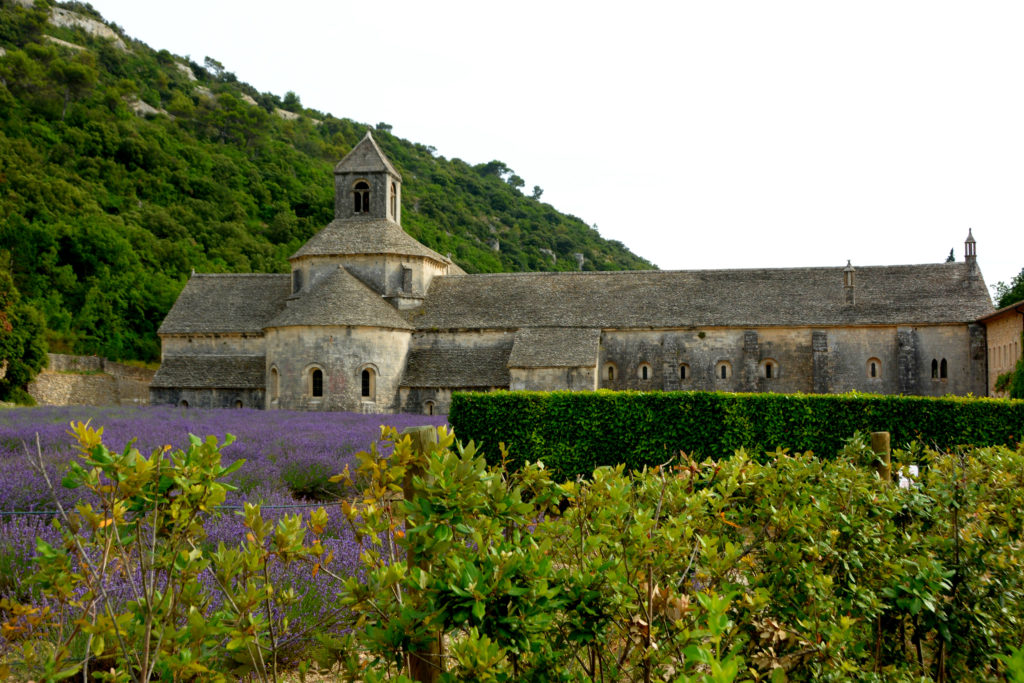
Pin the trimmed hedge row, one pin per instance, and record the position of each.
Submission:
(574, 432)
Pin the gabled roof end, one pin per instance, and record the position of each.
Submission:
(366, 157)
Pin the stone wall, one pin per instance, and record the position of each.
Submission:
(213, 344)
(433, 400)
(91, 381)
(553, 379)
(1004, 345)
(341, 354)
(209, 398)
(834, 360)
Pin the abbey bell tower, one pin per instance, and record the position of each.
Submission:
(366, 185)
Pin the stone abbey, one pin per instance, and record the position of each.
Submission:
(370, 320)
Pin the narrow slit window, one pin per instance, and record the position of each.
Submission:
(723, 371)
(643, 372)
(935, 369)
(684, 371)
(943, 369)
(874, 370)
(394, 201)
(317, 383)
(367, 382)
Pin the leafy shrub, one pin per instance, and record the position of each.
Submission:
(123, 590)
(800, 568)
(310, 481)
(574, 432)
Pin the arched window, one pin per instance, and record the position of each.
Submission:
(644, 371)
(723, 370)
(183, 403)
(428, 407)
(394, 201)
(942, 369)
(769, 369)
(609, 371)
(239, 404)
(316, 383)
(296, 281)
(935, 369)
(361, 197)
(684, 372)
(874, 368)
(275, 384)
(367, 382)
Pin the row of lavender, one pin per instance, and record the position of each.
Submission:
(289, 458)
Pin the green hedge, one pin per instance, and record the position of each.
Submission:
(574, 432)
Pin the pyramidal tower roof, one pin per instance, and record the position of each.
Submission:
(340, 299)
(366, 157)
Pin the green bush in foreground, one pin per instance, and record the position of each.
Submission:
(797, 568)
(128, 595)
(574, 432)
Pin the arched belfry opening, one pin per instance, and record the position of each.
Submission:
(361, 197)
(366, 184)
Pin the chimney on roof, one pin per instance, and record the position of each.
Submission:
(971, 256)
(970, 248)
(848, 280)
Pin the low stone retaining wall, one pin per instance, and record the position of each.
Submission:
(90, 381)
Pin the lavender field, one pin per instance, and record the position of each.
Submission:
(289, 457)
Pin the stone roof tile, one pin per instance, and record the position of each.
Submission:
(361, 235)
(366, 157)
(904, 295)
(226, 303)
(211, 372)
(339, 298)
(462, 368)
(555, 347)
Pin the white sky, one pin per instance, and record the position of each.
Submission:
(712, 134)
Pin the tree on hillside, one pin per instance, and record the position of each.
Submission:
(74, 76)
(291, 102)
(22, 348)
(20, 25)
(1012, 293)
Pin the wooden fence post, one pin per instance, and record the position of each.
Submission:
(880, 445)
(424, 665)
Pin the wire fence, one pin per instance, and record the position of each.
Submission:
(295, 506)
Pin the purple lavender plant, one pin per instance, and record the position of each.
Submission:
(289, 457)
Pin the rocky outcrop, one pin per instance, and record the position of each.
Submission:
(67, 19)
(141, 108)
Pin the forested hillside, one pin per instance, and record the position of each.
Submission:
(123, 168)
